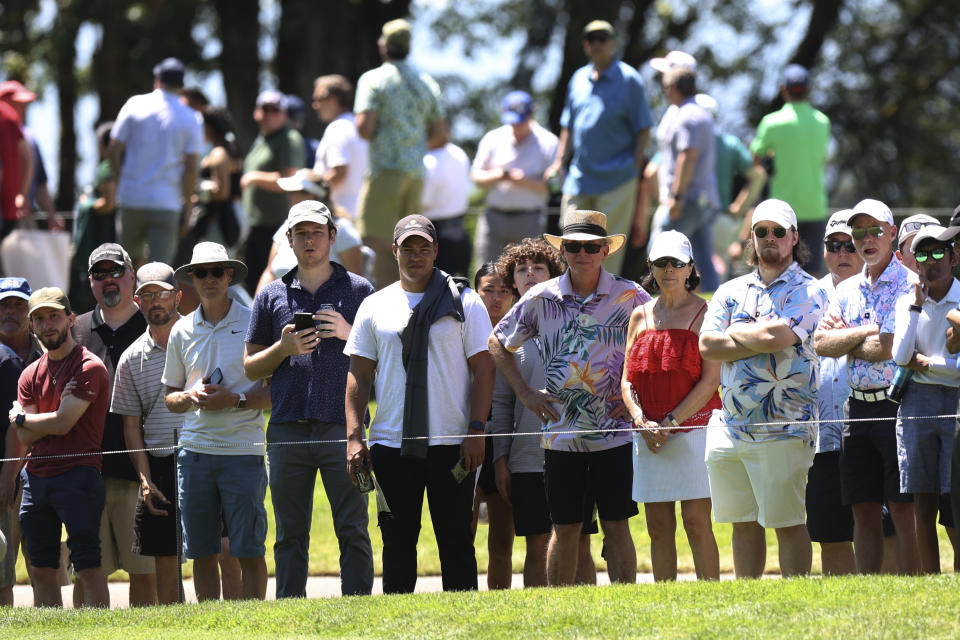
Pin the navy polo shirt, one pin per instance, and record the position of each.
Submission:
(11, 365)
(108, 344)
(309, 386)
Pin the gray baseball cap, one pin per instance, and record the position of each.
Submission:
(156, 273)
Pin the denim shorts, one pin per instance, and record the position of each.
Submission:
(238, 485)
(75, 499)
(924, 445)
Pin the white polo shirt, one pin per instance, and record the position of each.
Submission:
(157, 131)
(194, 350)
(342, 146)
(446, 185)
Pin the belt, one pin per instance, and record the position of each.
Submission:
(875, 395)
(514, 212)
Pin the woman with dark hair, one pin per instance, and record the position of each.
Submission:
(671, 391)
(220, 172)
(497, 296)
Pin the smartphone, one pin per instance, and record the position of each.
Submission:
(459, 471)
(216, 377)
(302, 320)
(364, 481)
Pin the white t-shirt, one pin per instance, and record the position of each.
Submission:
(157, 131)
(446, 186)
(376, 336)
(195, 348)
(342, 146)
(347, 238)
(498, 149)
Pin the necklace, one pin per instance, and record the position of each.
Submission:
(63, 364)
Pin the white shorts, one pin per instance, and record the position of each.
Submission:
(763, 482)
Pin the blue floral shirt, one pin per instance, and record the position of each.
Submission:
(770, 387)
(582, 343)
(859, 302)
(833, 391)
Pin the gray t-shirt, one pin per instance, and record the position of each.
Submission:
(508, 415)
(689, 126)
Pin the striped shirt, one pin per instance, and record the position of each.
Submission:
(138, 391)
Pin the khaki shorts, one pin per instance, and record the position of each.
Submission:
(763, 482)
(116, 530)
(384, 199)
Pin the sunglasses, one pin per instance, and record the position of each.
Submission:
(860, 234)
(910, 227)
(319, 99)
(574, 247)
(201, 272)
(835, 246)
(601, 36)
(101, 275)
(661, 263)
(162, 295)
(778, 232)
(925, 254)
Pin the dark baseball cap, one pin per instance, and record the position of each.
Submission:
(796, 78)
(517, 107)
(111, 252)
(414, 225)
(170, 71)
(15, 288)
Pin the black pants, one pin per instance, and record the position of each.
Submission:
(456, 250)
(451, 509)
(955, 476)
(256, 252)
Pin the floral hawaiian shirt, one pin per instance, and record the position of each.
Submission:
(832, 392)
(582, 343)
(859, 302)
(770, 387)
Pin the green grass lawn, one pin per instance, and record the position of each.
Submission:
(852, 607)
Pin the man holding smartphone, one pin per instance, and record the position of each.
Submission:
(221, 464)
(296, 335)
(425, 339)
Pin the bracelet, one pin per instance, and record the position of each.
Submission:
(916, 307)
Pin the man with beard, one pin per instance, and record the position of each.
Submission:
(760, 327)
(61, 403)
(107, 331)
(138, 396)
(860, 324)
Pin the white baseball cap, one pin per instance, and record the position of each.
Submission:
(673, 60)
(873, 208)
(776, 211)
(673, 244)
(838, 223)
(934, 232)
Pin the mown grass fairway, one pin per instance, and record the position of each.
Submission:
(852, 607)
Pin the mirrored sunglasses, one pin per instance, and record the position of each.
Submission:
(926, 254)
(860, 234)
(102, 274)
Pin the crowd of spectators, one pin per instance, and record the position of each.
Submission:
(307, 276)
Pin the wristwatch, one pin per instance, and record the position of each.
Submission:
(672, 420)
(916, 307)
(476, 425)
(242, 401)
(21, 417)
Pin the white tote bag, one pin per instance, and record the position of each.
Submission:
(42, 257)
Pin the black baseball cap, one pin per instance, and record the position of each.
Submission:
(414, 225)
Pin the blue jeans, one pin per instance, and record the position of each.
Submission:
(293, 475)
(697, 224)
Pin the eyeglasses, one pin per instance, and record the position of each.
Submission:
(598, 36)
(860, 234)
(574, 247)
(161, 295)
(911, 227)
(676, 263)
(925, 254)
(778, 232)
(835, 246)
(101, 275)
(201, 272)
(319, 99)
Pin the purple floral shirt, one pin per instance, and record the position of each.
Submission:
(581, 342)
(859, 302)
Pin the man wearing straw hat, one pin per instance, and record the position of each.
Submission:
(580, 320)
(221, 464)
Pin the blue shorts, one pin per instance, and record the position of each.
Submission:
(924, 444)
(74, 499)
(235, 484)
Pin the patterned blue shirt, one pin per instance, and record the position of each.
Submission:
(309, 386)
(833, 391)
(858, 302)
(604, 117)
(770, 387)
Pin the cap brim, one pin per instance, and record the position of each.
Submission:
(615, 241)
(416, 232)
(14, 294)
(319, 219)
(512, 117)
(660, 64)
(46, 305)
(160, 283)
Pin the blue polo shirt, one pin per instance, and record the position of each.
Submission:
(309, 386)
(604, 118)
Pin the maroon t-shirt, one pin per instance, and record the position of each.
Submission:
(10, 136)
(36, 388)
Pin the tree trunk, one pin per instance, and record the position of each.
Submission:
(65, 30)
(239, 62)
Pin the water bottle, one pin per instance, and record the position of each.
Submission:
(900, 380)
